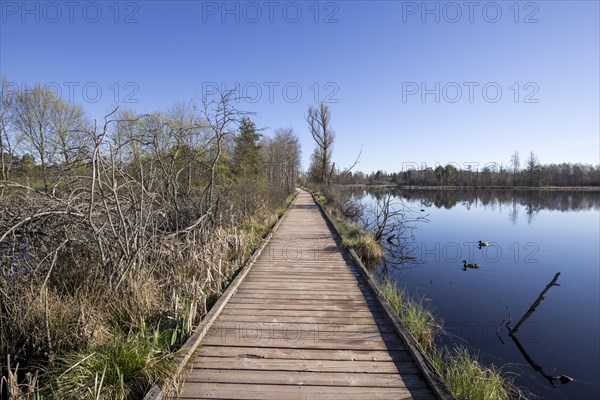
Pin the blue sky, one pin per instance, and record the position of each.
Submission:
(410, 82)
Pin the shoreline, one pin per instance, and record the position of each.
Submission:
(504, 188)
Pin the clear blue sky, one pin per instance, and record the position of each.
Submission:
(370, 61)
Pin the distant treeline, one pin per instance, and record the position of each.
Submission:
(533, 174)
(565, 200)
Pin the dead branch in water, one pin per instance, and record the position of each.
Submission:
(534, 306)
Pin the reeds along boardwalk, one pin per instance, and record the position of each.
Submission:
(303, 324)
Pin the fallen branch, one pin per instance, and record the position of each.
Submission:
(513, 331)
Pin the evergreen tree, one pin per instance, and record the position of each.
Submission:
(247, 160)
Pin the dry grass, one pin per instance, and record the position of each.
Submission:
(354, 237)
(62, 315)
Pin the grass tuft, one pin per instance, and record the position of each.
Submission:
(354, 237)
(364, 244)
(469, 379)
(122, 369)
(414, 313)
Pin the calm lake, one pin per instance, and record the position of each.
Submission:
(533, 236)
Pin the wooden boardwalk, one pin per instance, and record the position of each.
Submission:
(303, 324)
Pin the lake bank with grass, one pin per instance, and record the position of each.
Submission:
(533, 235)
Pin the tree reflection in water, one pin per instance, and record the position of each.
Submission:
(532, 200)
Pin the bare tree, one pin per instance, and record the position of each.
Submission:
(8, 141)
(222, 119)
(69, 125)
(515, 162)
(33, 113)
(319, 123)
(187, 126)
(281, 155)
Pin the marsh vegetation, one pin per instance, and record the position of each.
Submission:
(117, 236)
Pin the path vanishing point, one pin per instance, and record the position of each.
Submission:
(304, 323)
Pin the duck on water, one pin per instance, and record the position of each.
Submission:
(484, 244)
(468, 265)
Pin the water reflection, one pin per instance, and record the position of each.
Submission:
(512, 332)
(532, 201)
(563, 379)
(533, 234)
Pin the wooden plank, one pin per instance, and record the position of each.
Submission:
(306, 266)
(339, 291)
(300, 313)
(317, 332)
(302, 344)
(373, 367)
(300, 285)
(308, 278)
(343, 276)
(315, 270)
(304, 378)
(307, 263)
(351, 320)
(279, 392)
(299, 294)
(343, 306)
(349, 291)
(305, 354)
(306, 302)
(303, 287)
(295, 330)
(288, 277)
(312, 306)
(281, 310)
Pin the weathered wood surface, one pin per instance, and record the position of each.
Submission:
(303, 324)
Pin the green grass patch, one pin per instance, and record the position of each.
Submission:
(256, 228)
(414, 313)
(123, 369)
(364, 244)
(468, 378)
(464, 374)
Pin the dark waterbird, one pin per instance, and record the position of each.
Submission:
(484, 244)
(467, 265)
